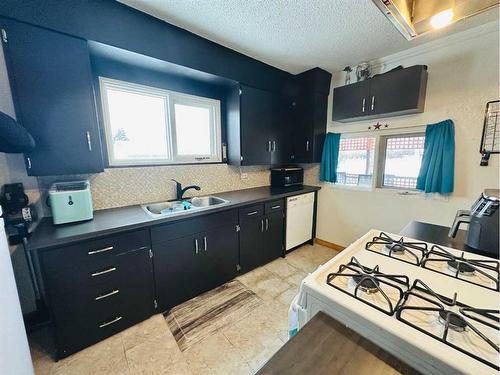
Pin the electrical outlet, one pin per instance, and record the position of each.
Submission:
(244, 175)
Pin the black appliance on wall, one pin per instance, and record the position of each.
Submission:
(482, 218)
(287, 176)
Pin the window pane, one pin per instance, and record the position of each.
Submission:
(356, 158)
(192, 128)
(138, 126)
(403, 156)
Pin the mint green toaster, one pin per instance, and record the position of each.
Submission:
(70, 201)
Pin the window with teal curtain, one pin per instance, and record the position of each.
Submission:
(438, 161)
(330, 158)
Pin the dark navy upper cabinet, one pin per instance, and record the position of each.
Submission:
(398, 92)
(259, 126)
(310, 115)
(51, 82)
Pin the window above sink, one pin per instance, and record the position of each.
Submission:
(147, 126)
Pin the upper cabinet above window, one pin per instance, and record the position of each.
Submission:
(395, 93)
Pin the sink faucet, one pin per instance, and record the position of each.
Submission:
(179, 190)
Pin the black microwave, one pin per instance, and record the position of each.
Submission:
(287, 176)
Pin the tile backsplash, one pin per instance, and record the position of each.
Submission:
(118, 187)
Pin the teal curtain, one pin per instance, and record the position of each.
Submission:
(330, 158)
(438, 162)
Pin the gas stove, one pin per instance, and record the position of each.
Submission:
(434, 307)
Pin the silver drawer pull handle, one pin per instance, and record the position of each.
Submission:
(109, 248)
(98, 273)
(196, 247)
(205, 242)
(102, 296)
(252, 213)
(275, 207)
(105, 324)
(267, 224)
(262, 225)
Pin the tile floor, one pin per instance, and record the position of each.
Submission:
(239, 348)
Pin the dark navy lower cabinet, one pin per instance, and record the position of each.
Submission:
(194, 256)
(51, 81)
(98, 288)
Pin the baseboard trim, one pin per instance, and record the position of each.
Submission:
(331, 245)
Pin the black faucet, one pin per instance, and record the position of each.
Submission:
(179, 190)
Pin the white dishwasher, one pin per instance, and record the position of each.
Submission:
(299, 219)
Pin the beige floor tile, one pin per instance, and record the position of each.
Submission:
(288, 295)
(281, 268)
(270, 288)
(215, 355)
(153, 329)
(153, 357)
(252, 278)
(255, 338)
(105, 357)
(297, 278)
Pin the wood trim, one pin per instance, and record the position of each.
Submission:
(331, 245)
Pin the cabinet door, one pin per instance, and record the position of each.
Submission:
(303, 134)
(52, 87)
(398, 91)
(282, 129)
(219, 256)
(256, 117)
(251, 242)
(273, 235)
(351, 101)
(177, 268)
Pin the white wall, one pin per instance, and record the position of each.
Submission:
(463, 76)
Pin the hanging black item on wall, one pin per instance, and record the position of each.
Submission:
(13, 137)
(491, 132)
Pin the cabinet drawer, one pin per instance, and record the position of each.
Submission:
(81, 321)
(273, 206)
(187, 227)
(251, 211)
(109, 273)
(90, 256)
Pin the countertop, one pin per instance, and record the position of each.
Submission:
(114, 220)
(325, 346)
(438, 235)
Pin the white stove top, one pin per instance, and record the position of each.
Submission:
(374, 314)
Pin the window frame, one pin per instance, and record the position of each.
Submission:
(379, 159)
(170, 98)
(382, 146)
(361, 188)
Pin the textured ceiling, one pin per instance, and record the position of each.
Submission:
(296, 35)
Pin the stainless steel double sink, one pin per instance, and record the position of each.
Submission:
(185, 206)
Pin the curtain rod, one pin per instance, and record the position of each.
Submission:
(372, 130)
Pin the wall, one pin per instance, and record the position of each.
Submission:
(463, 76)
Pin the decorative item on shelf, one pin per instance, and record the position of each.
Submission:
(363, 71)
(378, 126)
(491, 132)
(347, 71)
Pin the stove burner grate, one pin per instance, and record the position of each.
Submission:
(366, 283)
(455, 321)
(395, 248)
(461, 266)
(370, 281)
(466, 318)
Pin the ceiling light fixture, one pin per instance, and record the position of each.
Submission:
(442, 19)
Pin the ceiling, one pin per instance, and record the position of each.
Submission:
(296, 35)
